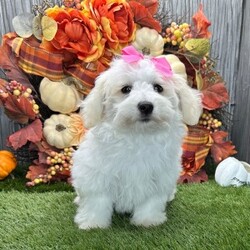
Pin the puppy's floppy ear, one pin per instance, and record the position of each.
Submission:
(92, 107)
(190, 101)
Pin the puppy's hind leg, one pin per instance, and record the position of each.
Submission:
(94, 212)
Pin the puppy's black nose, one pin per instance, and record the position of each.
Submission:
(145, 108)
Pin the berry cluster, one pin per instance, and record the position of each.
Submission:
(72, 4)
(209, 122)
(17, 89)
(177, 34)
(207, 65)
(59, 163)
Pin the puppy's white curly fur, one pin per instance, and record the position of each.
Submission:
(125, 162)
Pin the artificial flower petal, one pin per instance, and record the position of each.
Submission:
(76, 34)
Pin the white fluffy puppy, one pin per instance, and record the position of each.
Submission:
(130, 157)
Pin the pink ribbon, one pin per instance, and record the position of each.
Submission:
(131, 55)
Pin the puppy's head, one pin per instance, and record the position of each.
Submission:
(138, 96)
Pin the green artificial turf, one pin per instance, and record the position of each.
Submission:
(203, 216)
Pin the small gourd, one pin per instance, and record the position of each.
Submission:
(63, 131)
(8, 163)
(148, 41)
(232, 172)
(177, 66)
(62, 96)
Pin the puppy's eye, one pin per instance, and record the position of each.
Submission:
(126, 89)
(158, 88)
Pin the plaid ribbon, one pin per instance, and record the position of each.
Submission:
(196, 146)
(36, 60)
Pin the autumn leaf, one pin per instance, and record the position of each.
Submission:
(221, 149)
(219, 136)
(42, 157)
(210, 78)
(42, 146)
(214, 96)
(143, 17)
(34, 171)
(19, 110)
(151, 5)
(63, 175)
(201, 24)
(32, 133)
(190, 68)
(9, 62)
(199, 177)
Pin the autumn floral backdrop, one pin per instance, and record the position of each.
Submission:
(51, 59)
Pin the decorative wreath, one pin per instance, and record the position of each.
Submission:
(52, 59)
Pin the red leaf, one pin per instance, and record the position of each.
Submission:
(143, 17)
(151, 5)
(42, 146)
(19, 110)
(219, 136)
(221, 149)
(35, 171)
(63, 175)
(32, 132)
(42, 157)
(201, 24)
(214, 96)
(199, 177)
(8, 61)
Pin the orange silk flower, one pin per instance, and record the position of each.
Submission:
(76, 34)
(116, 21)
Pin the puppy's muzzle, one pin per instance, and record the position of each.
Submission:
(146, 109)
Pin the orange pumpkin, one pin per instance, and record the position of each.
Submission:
(8, 162)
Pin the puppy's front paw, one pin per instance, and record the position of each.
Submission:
(94, 212)
(151, 220)
(90, 223)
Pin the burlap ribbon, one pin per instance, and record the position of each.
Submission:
(35, 60)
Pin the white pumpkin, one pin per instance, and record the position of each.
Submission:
(63, 131)
(62, 96)
(232, 172)
(177, 66)
(148, 41)
(247, 167)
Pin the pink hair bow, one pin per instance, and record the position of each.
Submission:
(130, 55)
